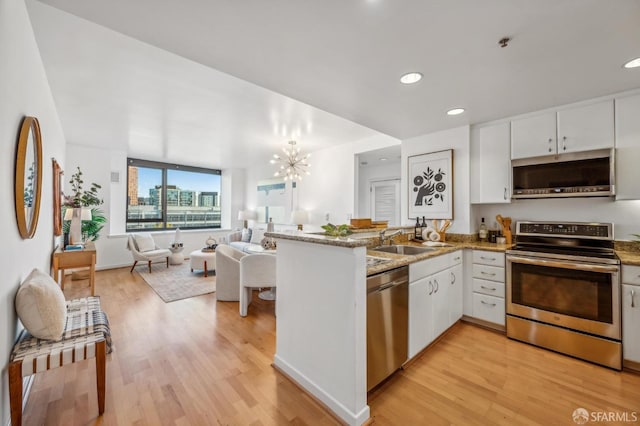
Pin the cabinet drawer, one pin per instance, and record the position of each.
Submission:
(491, 273)
(488, 308)
(490, 258)
(424, 268)
(455, 258)
(491, 288)
(631, 274)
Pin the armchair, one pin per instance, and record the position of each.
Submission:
(228, 273)
(154, 254)
(256, 271)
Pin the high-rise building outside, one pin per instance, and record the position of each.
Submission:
(208, 199)
(132, 186)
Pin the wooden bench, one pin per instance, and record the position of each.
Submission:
(86, 335)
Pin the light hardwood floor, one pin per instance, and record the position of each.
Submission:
(197, 362)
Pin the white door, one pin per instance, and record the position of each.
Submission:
(385, 201)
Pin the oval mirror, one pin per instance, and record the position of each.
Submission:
(28, 177)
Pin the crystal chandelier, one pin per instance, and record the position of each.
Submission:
(292, 165)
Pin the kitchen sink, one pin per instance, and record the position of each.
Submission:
(409, 250)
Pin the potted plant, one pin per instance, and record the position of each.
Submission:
(84, 199)
(339, 231)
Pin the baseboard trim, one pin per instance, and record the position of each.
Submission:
(632, 366)
(485, 324)
(342, 413)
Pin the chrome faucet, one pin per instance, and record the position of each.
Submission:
(384, 236)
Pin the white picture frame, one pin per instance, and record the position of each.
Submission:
(430, 185)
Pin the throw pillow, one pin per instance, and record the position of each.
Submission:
(246, 235)
(145, 242)
(256, 236)
(41, 306)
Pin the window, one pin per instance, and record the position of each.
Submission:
(168, 196)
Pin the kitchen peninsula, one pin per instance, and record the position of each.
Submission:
(321, 313)
(321, 340)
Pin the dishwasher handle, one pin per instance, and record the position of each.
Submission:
(387, 286)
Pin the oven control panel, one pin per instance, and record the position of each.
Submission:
(579, 230)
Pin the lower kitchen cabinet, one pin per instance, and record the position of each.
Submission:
(631, 323)
(420, 312)
(488, 277)
(631, 315)
(435, 298)
(456, 283)
(488, 308)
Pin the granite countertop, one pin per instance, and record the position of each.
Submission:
(629, 257)
(318, 239)
(398, 260)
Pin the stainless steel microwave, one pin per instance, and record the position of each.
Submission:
(581, 174)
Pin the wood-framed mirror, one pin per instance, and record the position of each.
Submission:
(28, 178)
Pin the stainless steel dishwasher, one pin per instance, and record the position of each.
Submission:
(387, 323)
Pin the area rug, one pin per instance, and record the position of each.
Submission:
(177, 281)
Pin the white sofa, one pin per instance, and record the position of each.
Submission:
(235, 239)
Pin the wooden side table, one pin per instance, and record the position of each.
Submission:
(75, 259)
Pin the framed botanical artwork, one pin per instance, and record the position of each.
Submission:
(431, 185)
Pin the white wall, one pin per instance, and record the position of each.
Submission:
(329, 193)
(458, 140)
(24, 90)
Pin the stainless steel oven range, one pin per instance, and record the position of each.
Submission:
(563, 290)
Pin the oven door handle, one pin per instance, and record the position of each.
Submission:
(564, 265)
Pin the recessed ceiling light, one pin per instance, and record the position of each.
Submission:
(455, 111)
(634, 63)
(382, 158)
(411, 77)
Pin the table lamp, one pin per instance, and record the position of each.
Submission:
(299, 217)
(247, 215)
(76, 215)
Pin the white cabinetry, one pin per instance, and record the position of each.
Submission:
(491, 175)
(631, 314)
(455, 292)
(627, 147)
(435, 298)
(488, 286)
(533, 136)
(576, 129)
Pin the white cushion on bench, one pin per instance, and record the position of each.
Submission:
(41, 306)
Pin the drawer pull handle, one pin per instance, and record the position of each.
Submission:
(487, 258)
(456, 258)
(488, 288)
(491, 274)
(437, 285)
(453, 278)
(488, 304)
(633, 303)
(430, 288)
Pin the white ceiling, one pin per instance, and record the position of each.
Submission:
(344, 57)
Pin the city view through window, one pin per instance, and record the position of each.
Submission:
(166, 196)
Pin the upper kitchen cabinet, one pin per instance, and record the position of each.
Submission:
(627, 147)
(491, 165)
(533, 136)
(576, 129)
(586, 128)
